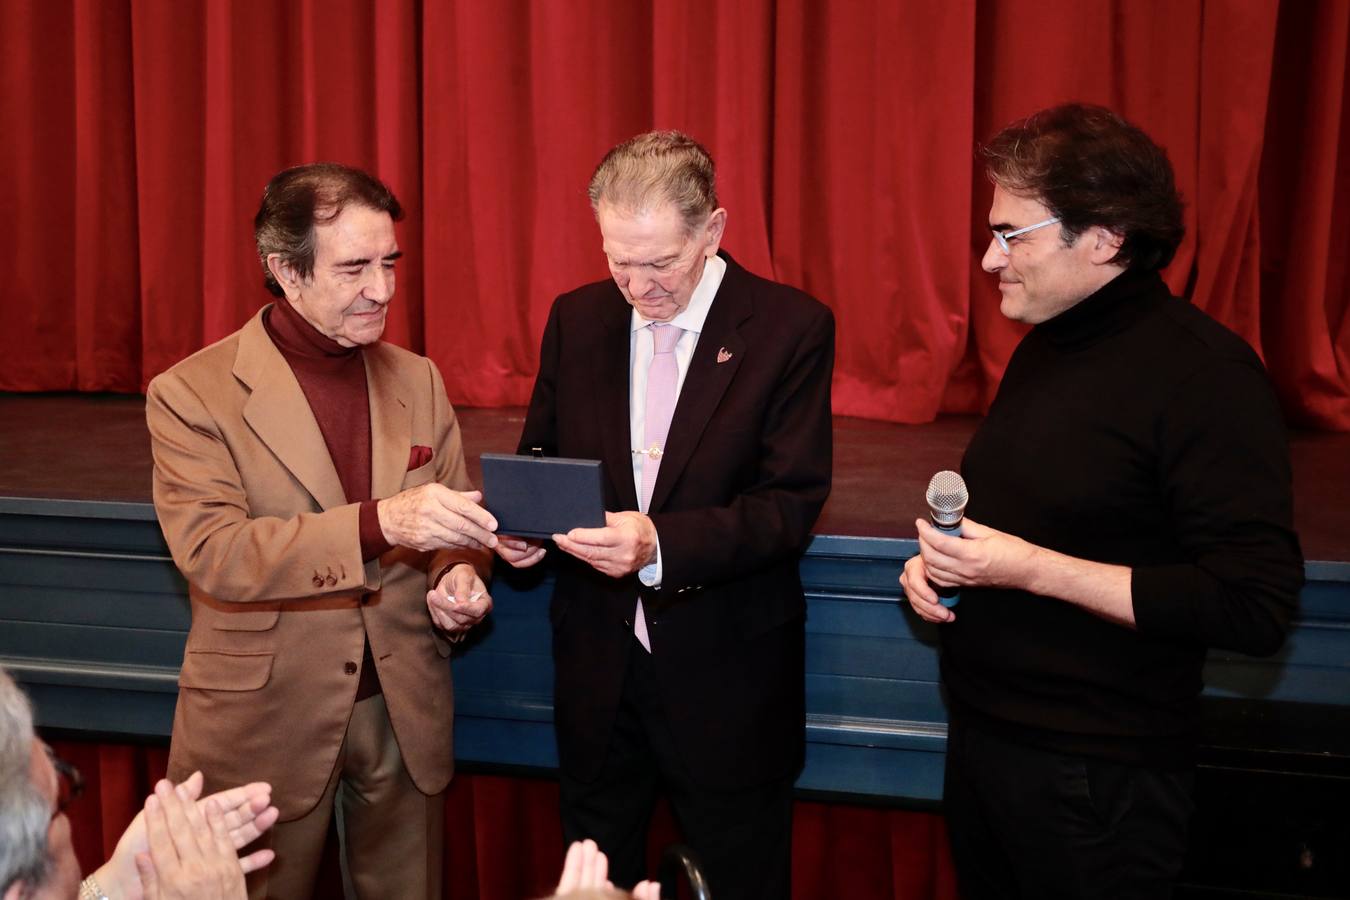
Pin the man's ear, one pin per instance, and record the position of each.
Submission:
(15, 891)
(286, 276)
(1105, 244)
(716, 227)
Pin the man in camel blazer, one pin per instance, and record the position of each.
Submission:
(699, 690)
(311, 485)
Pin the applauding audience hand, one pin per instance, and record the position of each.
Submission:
(586, 871)
(191, 853)
(247, 811)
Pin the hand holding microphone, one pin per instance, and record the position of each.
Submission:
(947, 498)
(956, 551)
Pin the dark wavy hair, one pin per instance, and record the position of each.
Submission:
(1091, 167)
(297, 199)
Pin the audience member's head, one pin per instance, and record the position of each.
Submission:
(37, 859)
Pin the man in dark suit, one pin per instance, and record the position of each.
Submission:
(678, 627)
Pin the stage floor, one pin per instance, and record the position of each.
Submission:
(95, 447)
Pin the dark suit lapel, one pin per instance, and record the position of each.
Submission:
(390, 425)
(707, 379)
(279, 414)
(611, 391)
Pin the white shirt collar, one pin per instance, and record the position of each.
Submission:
(692, 317)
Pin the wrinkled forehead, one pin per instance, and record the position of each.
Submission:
(642, 233)
(357, 228)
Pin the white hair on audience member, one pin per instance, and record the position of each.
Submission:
(25, 813)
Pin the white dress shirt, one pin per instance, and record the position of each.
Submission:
(640, 352)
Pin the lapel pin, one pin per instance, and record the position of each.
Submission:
(723, 355)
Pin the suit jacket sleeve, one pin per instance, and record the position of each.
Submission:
(204, 513)
(224, 549)
(771, 517)
(452, 472)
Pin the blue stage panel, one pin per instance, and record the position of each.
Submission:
(93, 617)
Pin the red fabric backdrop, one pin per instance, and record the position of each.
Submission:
(503, 841)
(140, 133)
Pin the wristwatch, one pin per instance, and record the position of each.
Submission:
(89, 890)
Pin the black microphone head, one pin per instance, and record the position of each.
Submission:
(947, 497)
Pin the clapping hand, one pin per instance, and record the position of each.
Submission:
(247, 812)
(586, 868)
(191, 855)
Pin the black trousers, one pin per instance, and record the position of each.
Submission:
(1029, 823)
(743, 838)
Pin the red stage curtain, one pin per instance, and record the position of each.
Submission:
(140, 134)
(503, 840)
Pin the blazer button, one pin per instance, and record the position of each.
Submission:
(332, 579)
(317, 580)
(349, 667)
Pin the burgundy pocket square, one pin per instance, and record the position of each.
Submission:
(419, 457)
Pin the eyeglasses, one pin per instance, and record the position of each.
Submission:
(1002, 236)
(70, 783)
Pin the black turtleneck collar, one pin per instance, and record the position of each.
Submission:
(294, 336)
(1113, 306)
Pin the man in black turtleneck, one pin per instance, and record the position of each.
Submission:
(310, 482)
(1130, 507)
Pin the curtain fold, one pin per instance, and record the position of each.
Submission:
(1305, 195)
(142, 132)
(37, 197)
(872, 164)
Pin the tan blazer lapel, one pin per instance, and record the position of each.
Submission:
(280, 416)
(390, 425)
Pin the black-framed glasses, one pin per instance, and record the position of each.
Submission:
(69, 782)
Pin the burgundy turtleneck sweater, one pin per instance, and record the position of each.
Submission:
(333, 379)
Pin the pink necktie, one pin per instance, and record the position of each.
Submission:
(662, 377)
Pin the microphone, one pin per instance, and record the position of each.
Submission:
(947, 498)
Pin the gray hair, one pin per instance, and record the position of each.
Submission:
(297, 199)
(25, 813)
(655, 168)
